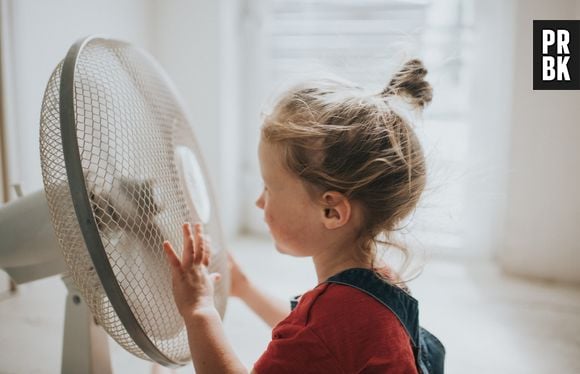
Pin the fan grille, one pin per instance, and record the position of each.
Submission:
(129, 125)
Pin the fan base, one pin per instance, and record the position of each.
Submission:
(85, 347)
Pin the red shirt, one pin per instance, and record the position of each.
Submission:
(338, 329)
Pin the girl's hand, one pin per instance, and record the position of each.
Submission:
(239, 280)
(193, 286)
(269, 309)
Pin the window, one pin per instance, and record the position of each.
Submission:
(365, 41)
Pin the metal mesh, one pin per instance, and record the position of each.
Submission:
(135, 145)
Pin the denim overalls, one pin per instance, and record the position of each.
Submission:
(428, 350)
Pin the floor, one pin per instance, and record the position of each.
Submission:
(490, 323)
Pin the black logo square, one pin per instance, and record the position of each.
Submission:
(556, 55)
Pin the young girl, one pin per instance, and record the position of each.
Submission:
(341, 168)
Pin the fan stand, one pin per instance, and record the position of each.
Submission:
(85, 345)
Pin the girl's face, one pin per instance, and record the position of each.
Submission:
(291, 215)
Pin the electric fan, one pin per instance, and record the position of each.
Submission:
(121, 171)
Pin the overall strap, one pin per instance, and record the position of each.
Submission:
(404, 306)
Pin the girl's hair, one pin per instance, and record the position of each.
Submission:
(337, 137)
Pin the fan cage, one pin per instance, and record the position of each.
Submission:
(128, 123)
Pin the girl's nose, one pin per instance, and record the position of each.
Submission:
(260, 201)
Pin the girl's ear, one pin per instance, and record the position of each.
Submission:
(336, 210)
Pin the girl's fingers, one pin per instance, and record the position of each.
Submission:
(195, 248)
(231, 261)
(206, 254)
(188, 246)
(198, 245)
(215, 277)
(171, 256)
(206, 246)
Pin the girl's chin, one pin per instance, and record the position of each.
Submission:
(287, 251)
(279, 248)
(282, 249)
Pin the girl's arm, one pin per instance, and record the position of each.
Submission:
(270, 309)
(210, 351)
(193, 291)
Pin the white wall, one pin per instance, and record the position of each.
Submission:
(193, 40)
(543, 209)
(487, 159)
(522, 179)
(39, 34)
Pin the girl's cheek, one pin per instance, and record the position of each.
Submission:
(268, 217)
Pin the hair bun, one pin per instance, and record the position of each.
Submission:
(410, 84)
